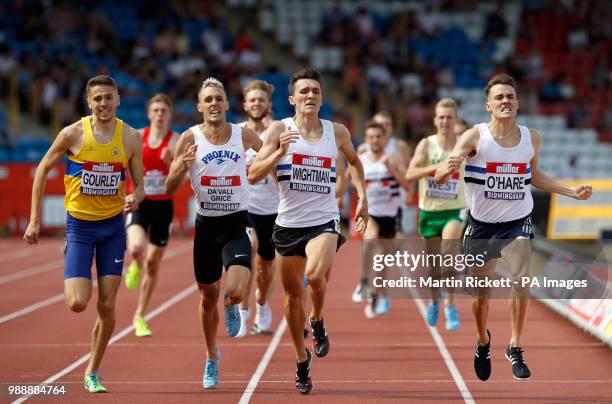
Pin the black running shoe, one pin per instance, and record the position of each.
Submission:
(303, 383)
(482, 360)
(520, 371)
(320, 339)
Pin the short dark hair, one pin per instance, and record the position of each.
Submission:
(309, 73)
(374, 125)
(501, 78)
(100, 80)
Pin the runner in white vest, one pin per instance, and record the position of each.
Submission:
(213, 153)
(263, 208)
(440, 204)
(383, 180)
(303, 151)
(502, 163)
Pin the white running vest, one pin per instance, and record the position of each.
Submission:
(263, 195)
(218, 175)
(382, 190)
(307, 180)
(497, 179)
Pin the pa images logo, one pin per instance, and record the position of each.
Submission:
(115, 152)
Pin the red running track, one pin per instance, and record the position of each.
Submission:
(391, 358)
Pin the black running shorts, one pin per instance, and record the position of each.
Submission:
(263, 226)
(220, 241)
(155, 217)
(291, 241)
(386, 225)
(490, 238)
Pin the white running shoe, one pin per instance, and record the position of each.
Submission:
(263, 316)
(244, 316)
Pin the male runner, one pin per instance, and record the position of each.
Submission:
(303, 151)
(154, 216)
(502, 162)
(99, 148)
(213, 153)
(440, 205)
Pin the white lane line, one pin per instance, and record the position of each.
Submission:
(448, 359)
(261, 368)
(127, 330)
(59, 297)
(32, 271)
(34, 307)
(23, 252)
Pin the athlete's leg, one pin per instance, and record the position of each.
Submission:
(105, 323)
(291, 270)
(519, 256)
(154, 257)
(209, 315)
(480, 305)
(136, 243)
(244, 304)
(264, 276)
(77, 292)
(237, 283)
(320, 253)
(451, 239)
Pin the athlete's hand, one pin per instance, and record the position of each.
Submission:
(361, 216)
(31, 234)
(131, 203)
(582, 192)
(166, 156)
(453, 164)
(188, 156)
(286, 138)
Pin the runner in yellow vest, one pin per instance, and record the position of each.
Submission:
(99, 148)
(440, 205)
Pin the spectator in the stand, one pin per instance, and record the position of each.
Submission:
(496, 25)
(579, 115)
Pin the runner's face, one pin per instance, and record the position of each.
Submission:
(306, 96)
(386, 122)
(375, 138)
(213, 105)
(256, 104)
(103, 101)
(444, 120)
(502, 102)
(159, 114)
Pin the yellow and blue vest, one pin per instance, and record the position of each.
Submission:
(95, 177)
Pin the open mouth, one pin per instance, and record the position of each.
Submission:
(506, 109)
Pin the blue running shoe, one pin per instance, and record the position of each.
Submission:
(211, 372)
(452, 319)
(432, 313)
(232, 319)
(382, 306)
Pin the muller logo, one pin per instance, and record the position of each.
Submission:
(226, 181)
(311, 161)
(507, 168)
(101, 167)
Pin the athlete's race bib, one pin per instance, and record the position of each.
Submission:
(154, 183)
(448, 190)
(220, 193)
(379, 192)
(311, 174)
(100, 179)
(506, 181)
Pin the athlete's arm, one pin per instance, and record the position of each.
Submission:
(134, 150)
(418, 167)
(401, 155)
(396, 172)
(547, 184)
(168, 153)
(343, 141)
(362, 148)
(275, 145)
(65, 141)
(250, 140)
(466, 145)
(184, 156)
